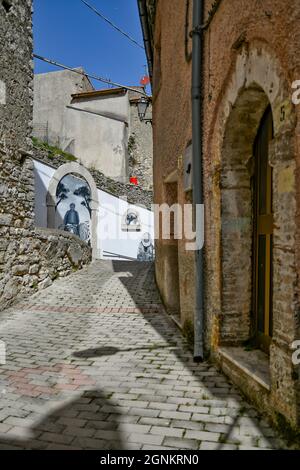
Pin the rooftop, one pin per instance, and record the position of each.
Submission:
(105, 92)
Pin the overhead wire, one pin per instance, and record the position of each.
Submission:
(98, 13)
(93, 77)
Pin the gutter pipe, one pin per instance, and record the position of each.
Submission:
(146, 35)
(198, 193)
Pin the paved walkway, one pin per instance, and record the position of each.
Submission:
(93, 362)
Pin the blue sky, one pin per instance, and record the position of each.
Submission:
(70, 33)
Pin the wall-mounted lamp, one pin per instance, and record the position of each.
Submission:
(143, 104)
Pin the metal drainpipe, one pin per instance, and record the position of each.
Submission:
(198, 196)
(146, 34)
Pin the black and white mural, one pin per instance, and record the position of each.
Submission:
(73, 206)
(146, 248)
(67, 199)
(131, 221)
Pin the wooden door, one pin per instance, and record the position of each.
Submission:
(263, 234)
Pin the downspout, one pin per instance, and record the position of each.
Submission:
(198, 194)
(146, 35)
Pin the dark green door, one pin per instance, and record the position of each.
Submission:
(263, 238)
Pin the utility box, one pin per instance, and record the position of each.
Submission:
(188, 169)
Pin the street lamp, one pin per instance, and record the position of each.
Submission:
(143, 104)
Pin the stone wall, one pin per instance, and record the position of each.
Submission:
(16, 184)
(255, 66)
(29, 259)
(16, 178)
(172, 133)
(34, 262)
(253, 73)
(140, 148)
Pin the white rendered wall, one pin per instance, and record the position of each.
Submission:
(52, 94)
(100, 142)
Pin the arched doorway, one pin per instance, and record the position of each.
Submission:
(263, 234)
(243, 123)
(237, 212)
(73, 206)
(91, 205)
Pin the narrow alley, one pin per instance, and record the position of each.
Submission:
(94, 362)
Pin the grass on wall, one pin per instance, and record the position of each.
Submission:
(53, 151)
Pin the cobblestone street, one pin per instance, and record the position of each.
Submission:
(93, 362)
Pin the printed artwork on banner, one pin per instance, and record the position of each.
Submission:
(146, 249)
(131, 221)
(73, 207)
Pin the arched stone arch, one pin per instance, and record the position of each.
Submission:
(237, 212)
(256, 81)
(256, 66)
(61, 172)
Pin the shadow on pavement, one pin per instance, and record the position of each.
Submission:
(92, 420)
(111, 351)
(146, 294)
(88, 422)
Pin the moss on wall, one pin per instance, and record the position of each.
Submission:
(53, 151)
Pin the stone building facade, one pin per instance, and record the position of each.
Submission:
(250, 64)
(140, 145)
(29, 258)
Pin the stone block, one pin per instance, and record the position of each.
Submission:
(34, 269)
(75, 254)
(6, 219)
(20, 269)
(45, 283)
(11, 289)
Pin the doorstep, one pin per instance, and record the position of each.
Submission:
(254, 364)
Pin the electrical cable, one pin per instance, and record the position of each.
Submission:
(112, 24)
(94, 77)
